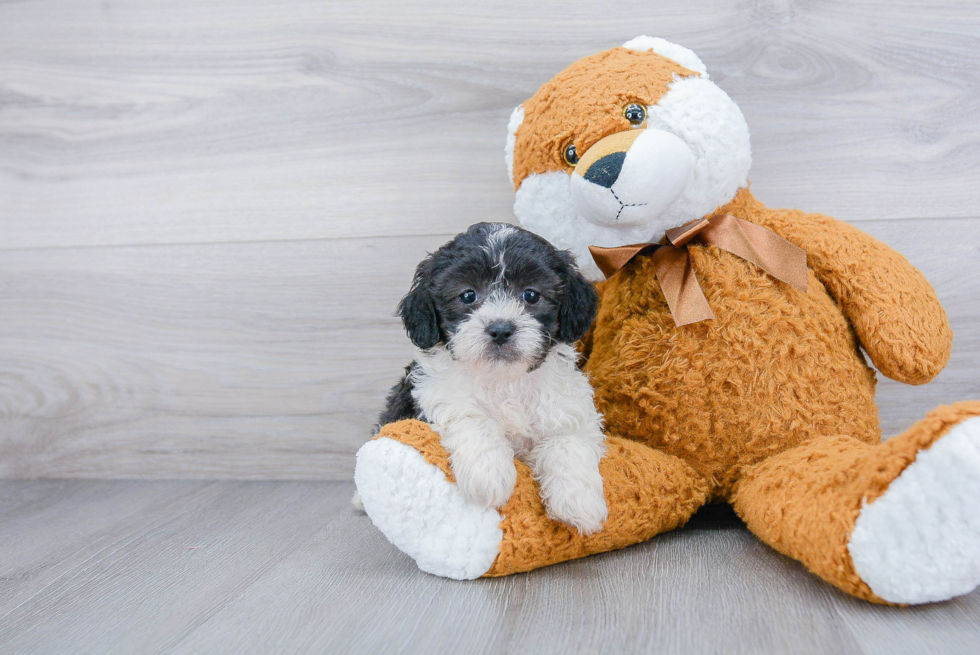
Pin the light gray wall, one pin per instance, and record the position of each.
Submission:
(209, 210)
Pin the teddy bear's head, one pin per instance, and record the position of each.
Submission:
(623, 145)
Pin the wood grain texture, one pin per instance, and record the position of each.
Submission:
(271, 360)
(210, 210)
(176, 121)
(144, 580)
(277, 567)
(232, 360)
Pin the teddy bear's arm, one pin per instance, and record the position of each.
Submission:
(891, 305)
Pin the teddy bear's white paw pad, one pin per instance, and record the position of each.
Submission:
(423, 514)
(919, 542)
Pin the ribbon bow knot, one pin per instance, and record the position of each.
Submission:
(672, 262)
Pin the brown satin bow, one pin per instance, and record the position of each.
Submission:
(672, 263)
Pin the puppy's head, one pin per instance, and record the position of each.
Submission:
(498, 295)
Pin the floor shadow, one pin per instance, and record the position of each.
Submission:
(715, 516)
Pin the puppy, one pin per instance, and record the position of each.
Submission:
(494, 313)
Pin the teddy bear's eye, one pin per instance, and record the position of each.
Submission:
(635, 113)
(569, 154)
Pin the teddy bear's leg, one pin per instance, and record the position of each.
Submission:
(408, 491)
(895, 522)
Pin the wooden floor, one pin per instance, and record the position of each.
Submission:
(208, 211)
(289, 567)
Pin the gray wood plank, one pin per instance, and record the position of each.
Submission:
(948, 628)
(271, 360)
(151, 578)
(240, 360)
(705, 590)
(147, 123)
(39, 520)
(261, 567)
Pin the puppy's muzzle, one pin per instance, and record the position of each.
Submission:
(501, 331)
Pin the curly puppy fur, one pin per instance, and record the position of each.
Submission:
(494, 313)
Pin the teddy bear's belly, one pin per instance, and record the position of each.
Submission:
(775, 368)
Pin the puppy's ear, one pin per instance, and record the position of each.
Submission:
(418, 311)
(578, 308)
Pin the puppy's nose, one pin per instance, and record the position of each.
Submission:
(500, 331)
(605, 170)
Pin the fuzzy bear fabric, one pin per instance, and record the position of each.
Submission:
(769, 406)
(778, 367)
(804, 502)
(646, 492)
(552, 112)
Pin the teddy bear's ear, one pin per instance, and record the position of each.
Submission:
(579, 304)
(516, 118)
(672, 51)
(418, 310)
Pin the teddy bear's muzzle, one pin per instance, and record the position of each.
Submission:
(630, 178)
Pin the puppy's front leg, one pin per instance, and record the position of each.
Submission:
(567, 468)
(482, 460)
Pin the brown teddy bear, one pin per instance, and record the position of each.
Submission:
(726, 356)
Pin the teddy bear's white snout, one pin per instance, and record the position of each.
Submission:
(629, 179)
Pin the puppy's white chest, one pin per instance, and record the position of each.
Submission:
(553, 399)
(516, 409)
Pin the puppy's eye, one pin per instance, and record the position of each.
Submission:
(531, 296)
(468, 297)
(569, 155)
(635, 113)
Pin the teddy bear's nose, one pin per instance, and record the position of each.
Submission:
(605, 171)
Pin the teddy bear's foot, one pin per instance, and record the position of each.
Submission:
(920, 541)
(891, 522)
(423, 514)
(409, 492)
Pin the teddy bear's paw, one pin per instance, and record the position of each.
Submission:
(423, 514)
(578, 504)
(919, 542)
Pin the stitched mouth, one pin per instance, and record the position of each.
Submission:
(623, 205)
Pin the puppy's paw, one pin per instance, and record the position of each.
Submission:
(580, 505)
(487, 480)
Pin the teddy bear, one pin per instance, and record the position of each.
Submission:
(727, 357)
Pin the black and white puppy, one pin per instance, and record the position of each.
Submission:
(494, 313)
